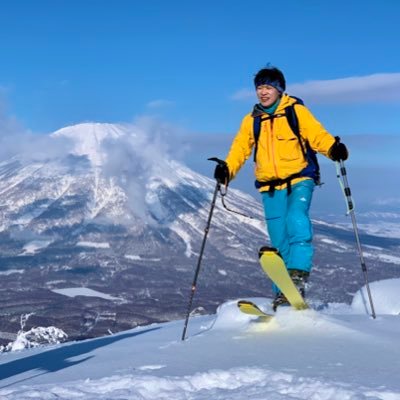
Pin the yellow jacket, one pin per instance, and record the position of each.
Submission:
(279, 153)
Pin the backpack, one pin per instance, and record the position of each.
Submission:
(312, 169)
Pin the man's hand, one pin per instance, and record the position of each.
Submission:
(338, 151)
(221, 173)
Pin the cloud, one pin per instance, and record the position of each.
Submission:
(142, 156)
(362, 89)
(382, 88)
(15, 139)
(11, 131)
(390, 201)
(160, 103)
(33, 147)
(8, 123)
(243, 94)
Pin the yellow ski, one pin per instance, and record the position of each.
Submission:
(250, 308)
(273, 265)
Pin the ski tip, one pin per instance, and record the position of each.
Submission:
(248, 307)
(266, 250)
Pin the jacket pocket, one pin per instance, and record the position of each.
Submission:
(288, 147)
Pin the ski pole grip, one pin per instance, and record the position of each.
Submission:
(217, 160)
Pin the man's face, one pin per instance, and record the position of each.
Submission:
(267, 95)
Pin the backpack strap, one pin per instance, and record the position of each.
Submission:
(256, 133)
(293, 122)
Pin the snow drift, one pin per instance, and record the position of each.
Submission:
(337, 353)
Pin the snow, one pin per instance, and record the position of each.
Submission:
(96, 245)
(132, 257)
(184, 236)
(383, 257)
(88, 137)
(336, 246)
(135, 257)
(337, 353)
(386, 229)
(12, 271)
(34, 246)
(388, 226)
(82, 291)
(34, 336)
(386, 298)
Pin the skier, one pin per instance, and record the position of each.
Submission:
(285, 173)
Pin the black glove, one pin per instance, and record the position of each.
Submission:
(221, 173)
(338, 151)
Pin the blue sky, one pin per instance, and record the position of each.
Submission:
(191, 64)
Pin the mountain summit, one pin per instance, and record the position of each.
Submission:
(88, 139)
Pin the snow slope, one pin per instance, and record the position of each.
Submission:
(338, 352)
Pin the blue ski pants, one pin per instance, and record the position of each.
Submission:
(289, 225)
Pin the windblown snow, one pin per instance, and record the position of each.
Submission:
(90, 143)
(336, 352)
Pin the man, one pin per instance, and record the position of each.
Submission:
(285, 169)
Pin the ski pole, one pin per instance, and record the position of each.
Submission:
(350, 207)
(196, 275)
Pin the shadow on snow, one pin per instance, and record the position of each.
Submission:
(57, 359)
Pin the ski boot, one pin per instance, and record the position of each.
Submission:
(279, 300)
(299, 278)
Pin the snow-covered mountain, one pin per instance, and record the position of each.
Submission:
(101, 229)
(112, 175)
(337, 353)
